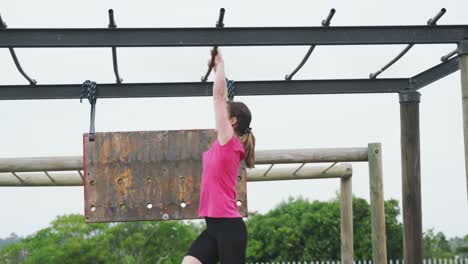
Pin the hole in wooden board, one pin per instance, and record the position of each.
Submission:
(120, 181)
(239, 203)
(149, 205)
(183, 204)
(122, 206)
(91, 182)
(165, 217)
(148, 180)
(239, 178)
(92, 208)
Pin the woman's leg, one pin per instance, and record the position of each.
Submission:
(203, 250)
(231, 236)
(190, 260)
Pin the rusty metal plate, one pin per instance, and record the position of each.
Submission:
(147, 175)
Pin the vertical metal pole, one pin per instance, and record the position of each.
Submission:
(379, 241)
(463, 53)
(411, 177)
(346, 215)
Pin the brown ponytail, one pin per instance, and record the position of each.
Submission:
(248, 142)
(242, 128)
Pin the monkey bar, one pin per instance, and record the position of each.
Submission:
(407, 88)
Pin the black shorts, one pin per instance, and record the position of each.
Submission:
(224, 240)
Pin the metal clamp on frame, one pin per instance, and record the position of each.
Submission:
(408, 96)
(463, 47)
(89, 90)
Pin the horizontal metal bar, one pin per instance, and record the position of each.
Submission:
(233, 36)
(73, 163)
(189, 89)
(434, 74)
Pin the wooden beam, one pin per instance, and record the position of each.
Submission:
(287, 173)
(346, 215)
(310, 155)
(62, 163)
(73, 178)
(262, 157)
(411, 177)
(379, 241)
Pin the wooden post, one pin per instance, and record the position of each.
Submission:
(411, 177)
(379, 241)
(464, 86)
(346, 215)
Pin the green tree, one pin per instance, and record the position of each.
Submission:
(436, 245)
(12, 238)
(70, 240)
(461, 246)
(303, 230)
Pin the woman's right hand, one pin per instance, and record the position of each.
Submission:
(218, 58)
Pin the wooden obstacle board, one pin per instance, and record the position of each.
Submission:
(147, 175)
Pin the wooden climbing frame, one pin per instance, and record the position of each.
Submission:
(147, 175)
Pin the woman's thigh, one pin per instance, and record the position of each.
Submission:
(232, 242)
(204, 248)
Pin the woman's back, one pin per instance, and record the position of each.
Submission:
(218, 187)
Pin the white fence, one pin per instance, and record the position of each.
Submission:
(425, 261)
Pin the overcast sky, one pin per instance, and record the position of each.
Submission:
(55, 127)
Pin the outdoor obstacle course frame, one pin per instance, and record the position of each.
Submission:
(68, 171)
(407, 88)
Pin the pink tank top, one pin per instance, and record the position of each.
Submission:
(218, 186)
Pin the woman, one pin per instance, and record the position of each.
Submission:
(225, 236)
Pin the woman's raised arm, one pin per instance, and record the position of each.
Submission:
(223, 126)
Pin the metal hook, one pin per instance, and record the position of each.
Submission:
(325, 23)
(114, 49)
(449, 55)
(219, 24)
(31, 81)
(430, 22)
